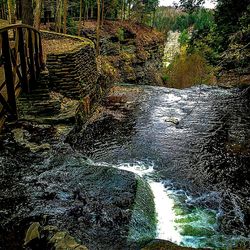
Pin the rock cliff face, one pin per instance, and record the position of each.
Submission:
(130, 53)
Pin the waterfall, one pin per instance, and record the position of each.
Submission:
(172, 48)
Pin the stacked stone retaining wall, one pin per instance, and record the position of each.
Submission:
(74, 73)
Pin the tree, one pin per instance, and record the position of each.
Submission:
(10, 11)
(227, 18)
(65, 13)
(27, 12)
(102, 12)
(58, 15)
(98, 27)
(18, 9)
(80, 19)
(37, 15)
(191, 5)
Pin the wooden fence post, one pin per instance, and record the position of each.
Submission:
(31, 59)
(8, 74)
(24, 80)
(42, 64)
(37, 66)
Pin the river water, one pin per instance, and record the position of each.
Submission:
(192, 147)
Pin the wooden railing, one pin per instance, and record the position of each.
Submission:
(21, 60)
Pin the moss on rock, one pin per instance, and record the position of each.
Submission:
(142, 227)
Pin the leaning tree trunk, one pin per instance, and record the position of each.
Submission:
(65, 13)
(37, 15)
(27, 12)
(98, 28)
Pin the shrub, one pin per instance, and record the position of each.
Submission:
(71, 26)
(184, 38)
(188, 70)
(120, 34)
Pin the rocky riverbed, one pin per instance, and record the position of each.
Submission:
(78, 188)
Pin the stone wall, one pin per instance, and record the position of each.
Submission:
(133, 63)
(51, 35)
(74, 73)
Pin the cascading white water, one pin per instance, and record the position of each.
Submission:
(164, 204)
(195, 227)
(172, 48)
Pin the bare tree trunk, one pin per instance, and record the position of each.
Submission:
(37, 15)
(10, 11)
(18, 9)
(123, 10)
(102, 12)
(27, 12)
(87, 11)
(98, 28)
(58, 16)
(129, 9)
(80, 19)
(65, 13)
(153, 23)
(91, 11)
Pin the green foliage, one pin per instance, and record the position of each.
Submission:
(120, 34)
(32, 232)
(165, 78)
(183, 22)
(201, 19)
(71, 26)
(228, 17)
(184, 38)
(188, 70)
(165, 19)
(191, 5)
(232, 34)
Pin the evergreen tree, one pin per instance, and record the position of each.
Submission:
(191, 5)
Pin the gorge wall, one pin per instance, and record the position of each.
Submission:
(129, 52)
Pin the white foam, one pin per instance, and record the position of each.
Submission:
(139, 169)
(164, 206)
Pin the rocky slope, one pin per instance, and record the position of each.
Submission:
(130, 53)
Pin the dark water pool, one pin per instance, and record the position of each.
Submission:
(197, 141)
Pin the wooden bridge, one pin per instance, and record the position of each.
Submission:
(21, 61)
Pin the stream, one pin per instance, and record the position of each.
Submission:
(190, 146)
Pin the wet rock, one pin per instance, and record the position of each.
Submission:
(165, 245)
(22, 136)
(50, 237)
(85, 200)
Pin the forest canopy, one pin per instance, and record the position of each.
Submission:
(221, 35)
